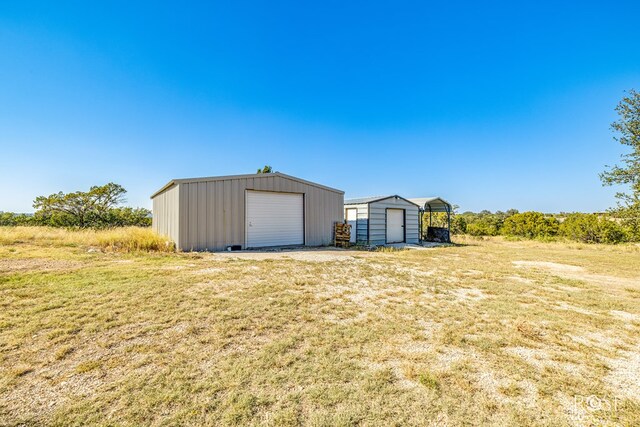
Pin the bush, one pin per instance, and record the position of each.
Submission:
(484, 227)
(13, 219)
(438, 219)
(591, 228)
(530, 225)
(484, 223)
(458, 224)
(127, 217)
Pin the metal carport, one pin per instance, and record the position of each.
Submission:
(431, 205)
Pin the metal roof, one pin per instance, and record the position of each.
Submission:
(363, 200)
(371, 199)
(433, 204)
(231, 177)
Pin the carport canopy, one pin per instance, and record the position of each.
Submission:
(432, 204)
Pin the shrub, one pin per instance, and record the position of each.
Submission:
(591, 228)
(127, 217)
(458, 224)
(484, 227)
(485, 223)
(438, 219)
(14, 219)
(530, 225)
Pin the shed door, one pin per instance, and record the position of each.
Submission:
(352, 215)
(274, 219)
(395, 225)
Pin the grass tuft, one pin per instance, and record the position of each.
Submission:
(429, 380)
(88, 366)
(389, 249)
(529, 331)
(21, 370)
(63, 352)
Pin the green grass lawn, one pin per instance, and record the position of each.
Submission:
(486, 332)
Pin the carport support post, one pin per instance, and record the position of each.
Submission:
(449, 223)
(430, 218)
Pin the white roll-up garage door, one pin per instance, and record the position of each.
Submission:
(274, 219)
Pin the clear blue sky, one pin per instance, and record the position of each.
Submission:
(491, 105)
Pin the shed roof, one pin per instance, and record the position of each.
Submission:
(363, 200)
(231, 177)
(371, 199)
(434, 204)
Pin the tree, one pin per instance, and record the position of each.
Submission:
(127, 217)
(81, 209)
(627, 132)
(266, 169)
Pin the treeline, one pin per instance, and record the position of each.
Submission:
(581, 227)
(96, 208)
(116, 217)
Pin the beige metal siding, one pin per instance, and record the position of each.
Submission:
(165, 219)
(378, 217)
(212, 213)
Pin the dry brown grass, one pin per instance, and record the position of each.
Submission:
(463, 335)
(123, 239)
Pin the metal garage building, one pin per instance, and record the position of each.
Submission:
(383, 219)
(250, 211)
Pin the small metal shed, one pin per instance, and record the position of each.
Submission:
(246, 211)
(382, 220)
